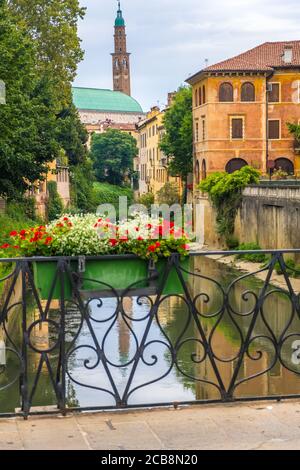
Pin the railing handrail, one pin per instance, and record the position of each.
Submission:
(130, 256)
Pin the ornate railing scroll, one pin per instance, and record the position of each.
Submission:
(159, 334)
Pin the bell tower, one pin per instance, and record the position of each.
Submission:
(121, 58)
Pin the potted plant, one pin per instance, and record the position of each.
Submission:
(97, 252)
(279, 174)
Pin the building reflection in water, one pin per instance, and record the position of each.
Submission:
(226, 340)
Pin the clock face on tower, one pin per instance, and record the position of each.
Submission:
(121, 58)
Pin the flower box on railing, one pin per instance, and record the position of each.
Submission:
(106, 277)
(102, 256)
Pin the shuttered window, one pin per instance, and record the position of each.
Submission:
(226, 92)
(274, 93)
(248, 92)
(204, 95)
(274, 129)
(237, 128)
(200, 96)
(203, 129)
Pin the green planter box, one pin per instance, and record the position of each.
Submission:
(44, 275)
(100, 274)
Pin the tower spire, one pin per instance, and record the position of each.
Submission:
(121, 58)
(119, 20)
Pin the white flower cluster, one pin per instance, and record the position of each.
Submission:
(92, 235)
(81, 238)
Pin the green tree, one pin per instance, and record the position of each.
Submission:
(54, 204)
(177, 142)
(27, 124)
(38, 59)
(82, 192)
(72, 135)
(53, 25)
(113, 153)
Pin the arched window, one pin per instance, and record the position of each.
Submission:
(284, 164)
(226, 92)
(248, 92)
(196, 97)
(203, 94)
(203, 170)
(235, 164)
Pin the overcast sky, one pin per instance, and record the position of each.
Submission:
(170, 39)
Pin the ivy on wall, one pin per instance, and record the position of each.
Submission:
(225, 192)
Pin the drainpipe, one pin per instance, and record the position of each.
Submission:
(267, 124)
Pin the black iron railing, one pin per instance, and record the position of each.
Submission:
(221, 334)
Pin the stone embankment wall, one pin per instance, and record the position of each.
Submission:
(269, 216)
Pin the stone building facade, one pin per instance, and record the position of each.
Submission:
(152, 164)
(241, 108)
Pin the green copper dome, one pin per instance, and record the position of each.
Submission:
(104, 100)
(119, 20)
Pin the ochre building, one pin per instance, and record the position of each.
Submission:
(241, 108)
(152, 164)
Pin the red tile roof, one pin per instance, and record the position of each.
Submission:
(265, 57)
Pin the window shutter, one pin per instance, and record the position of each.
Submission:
(237, 130)
(226, 92)
(248, 92)
(204, 95)
(274, 129)
(274, 94)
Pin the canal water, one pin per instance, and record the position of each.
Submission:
(187, 380)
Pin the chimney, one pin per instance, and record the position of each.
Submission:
(288, 54)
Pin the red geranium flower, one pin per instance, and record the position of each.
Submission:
(5, 246)
(113, 242)
(13, 233)
(152, 248)
(185, 247)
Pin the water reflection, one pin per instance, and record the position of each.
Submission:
(185, 376)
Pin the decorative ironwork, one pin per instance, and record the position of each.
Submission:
(205, 312)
